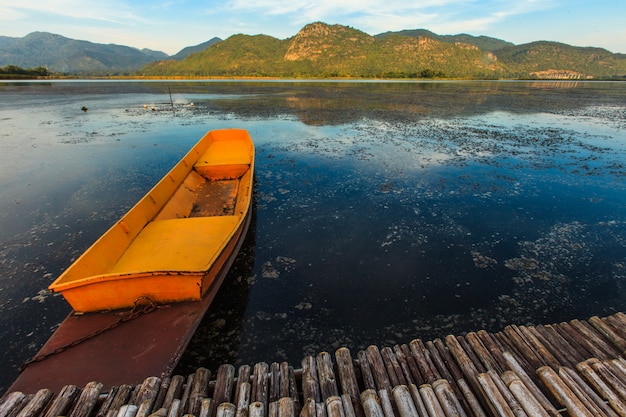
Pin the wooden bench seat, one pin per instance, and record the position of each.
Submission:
(189, 244)
(223, 160)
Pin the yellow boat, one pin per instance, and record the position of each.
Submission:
(171, 245)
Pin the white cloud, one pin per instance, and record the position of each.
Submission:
(86, 10)
(375, 16)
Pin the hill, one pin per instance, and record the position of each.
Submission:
(557, 60)
(185, 52)
(322, 50)
(65, 55)
(481, 42)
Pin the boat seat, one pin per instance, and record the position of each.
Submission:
(189, 244)
(224, 160)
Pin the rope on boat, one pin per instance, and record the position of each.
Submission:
(142, 305)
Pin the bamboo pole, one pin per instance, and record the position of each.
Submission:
(243, 399)
(471, 354)
(430, 401)
(174, 391)
(393, 367)
(602, 388)
(490, 344)
(576, 376)
(293, 388)
(562, 393)
(404, 402)
(347, 379)
(581, 340)
(87, 400)
(589, 398)
(224, 384)
(609, 377)
(175, 408)
(320, 409)
(525, 398)
(514, 334)
(274, 382)
(184, 399)
(285, 382)
(145, 408)
(473, 403)
(446, 371)
(404, 365)
(12, 402)
(386, 403)
(199, 390)
(539, 348)
(464, 362)
(272, 409)
(559, 353)
(308, 409)
(286, 407)
(334, 407)
(366, 371)
(418, 379)
(328, 385)
(447, 399)
(379, 371)
(514, 366)
(590, 333)
(243, 376)
(425, 364)
(165, 385)
(206, 407)
(259, 385)
(148, 391)
(482, 353)
(348, 406)
(495, 400)
(63, 402)
(128, 410)
(371, 403)
(310, 384)
(418, 401)
(226, 409)
(257, 409)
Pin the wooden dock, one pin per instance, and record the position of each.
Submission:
(576, 368)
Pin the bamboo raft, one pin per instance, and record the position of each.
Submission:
(575, 368)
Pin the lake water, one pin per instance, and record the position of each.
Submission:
(384, 212)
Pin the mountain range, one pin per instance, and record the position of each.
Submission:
(322, 50)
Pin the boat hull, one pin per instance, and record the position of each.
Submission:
(168, 247)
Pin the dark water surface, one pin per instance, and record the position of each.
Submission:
(384, 211)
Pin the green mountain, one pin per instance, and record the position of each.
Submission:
(61, 54)
(185, 52)
(481, 42)
(322, 50)
(557, 60)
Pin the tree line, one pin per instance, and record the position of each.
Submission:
(13, 71)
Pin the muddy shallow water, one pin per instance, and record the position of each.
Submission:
(383, 211)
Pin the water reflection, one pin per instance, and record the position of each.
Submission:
(384, 211)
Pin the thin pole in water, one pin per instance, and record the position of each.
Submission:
(171, 101)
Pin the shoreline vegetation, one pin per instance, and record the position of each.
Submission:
(55, 77)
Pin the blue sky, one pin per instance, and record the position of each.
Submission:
(170, 25)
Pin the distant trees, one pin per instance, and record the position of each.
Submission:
(15, 72)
